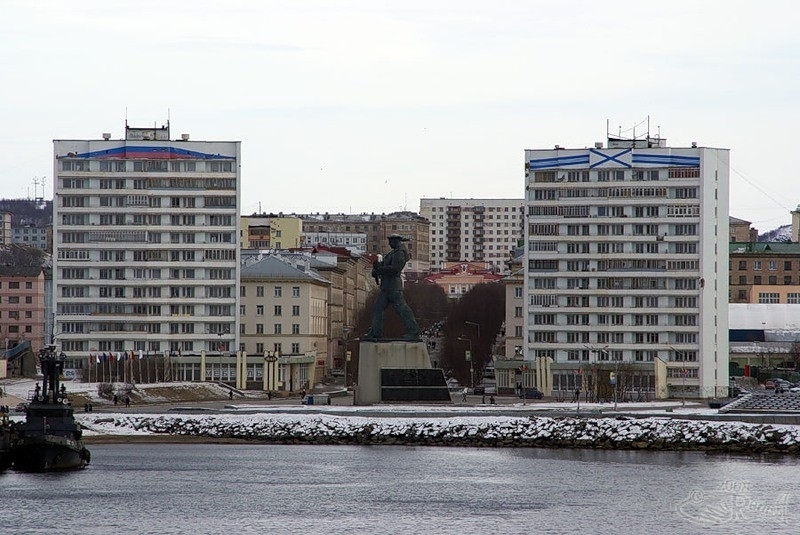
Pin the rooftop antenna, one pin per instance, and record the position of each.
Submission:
(36, 182)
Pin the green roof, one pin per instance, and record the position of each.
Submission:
(786, 248)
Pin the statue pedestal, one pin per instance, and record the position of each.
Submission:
(398, 372)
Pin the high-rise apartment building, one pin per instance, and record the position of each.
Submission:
(627, 265)
(145, 244)
(484, 230)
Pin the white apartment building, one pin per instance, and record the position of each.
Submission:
(145, 244)
(473, 229)
(627, 265)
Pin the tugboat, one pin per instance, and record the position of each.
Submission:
(50, 439)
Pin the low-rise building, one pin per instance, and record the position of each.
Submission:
(283, 312)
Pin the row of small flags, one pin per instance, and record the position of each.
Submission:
(118, 356)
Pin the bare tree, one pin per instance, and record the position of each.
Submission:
(473, 323)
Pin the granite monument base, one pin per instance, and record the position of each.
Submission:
(398, 372)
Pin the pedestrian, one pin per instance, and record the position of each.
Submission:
(577, 395)
(464, 394)
(116, 399)
(491, 399)
(127, 401)
(483, 399)
(230, 394)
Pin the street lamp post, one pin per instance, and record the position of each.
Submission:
(468, 358)
(477, 326)
(219, 354)
(477, 343)
(270, 359)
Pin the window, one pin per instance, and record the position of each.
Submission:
(295, 310)
(276, 328)
(295, 328)
(295, 291)
(259, 328)
(295, 348)
(768, 297)
(278, 291)
(278, 310)
(259, 291)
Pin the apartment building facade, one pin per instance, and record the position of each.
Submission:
(145, 244)
(766, 273)
(262, 231)
(284, 312)
(22, 307)
(483, 230)
(626, 265)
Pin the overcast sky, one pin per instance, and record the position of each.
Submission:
(367, 106)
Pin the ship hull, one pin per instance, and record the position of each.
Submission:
(49, 453)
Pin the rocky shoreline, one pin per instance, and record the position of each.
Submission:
(621, 433)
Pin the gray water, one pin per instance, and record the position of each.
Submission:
(241, 489)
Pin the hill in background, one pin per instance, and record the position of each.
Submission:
(780, 234)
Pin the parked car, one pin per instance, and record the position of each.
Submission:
(531, 393)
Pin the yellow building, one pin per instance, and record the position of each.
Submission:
(270, 232)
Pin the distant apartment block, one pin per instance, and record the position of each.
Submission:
(145, 237)
(352, 241)
(5, 228)
(32, 236)
(741, 231)
(263, 232)
(627, 264)
(765, 272)
(30, 223)
(377, 228)
(22, 307)
(483, 230)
